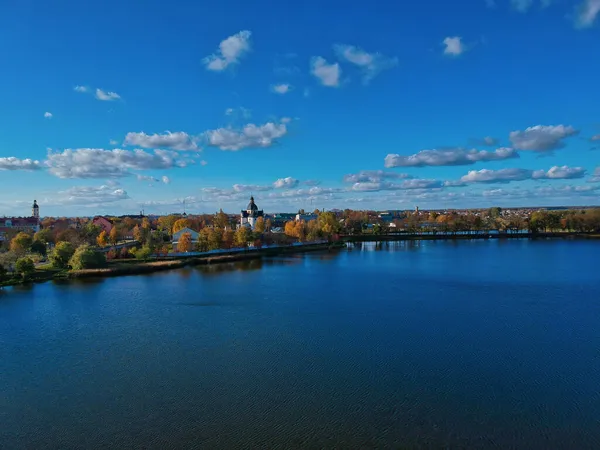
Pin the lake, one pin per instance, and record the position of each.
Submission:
(409, 344)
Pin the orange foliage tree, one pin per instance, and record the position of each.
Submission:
(184, 244)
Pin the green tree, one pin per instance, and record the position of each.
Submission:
(2, 271)
(25, 267)
(202, 245)
(328, 223)
(494, 212)
(91, 232)
(166, 223)
(38, 247)
(143, 253)
(45, 235)
(62, 253)
(86, 257)
(241, 236)
(21, 243)
(215, 239)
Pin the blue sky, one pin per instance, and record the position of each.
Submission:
(121, 106)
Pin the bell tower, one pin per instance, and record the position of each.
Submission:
(35, 210)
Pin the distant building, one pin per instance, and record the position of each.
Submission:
(103, 223)
(8, 224)
(250, 215)
(306, 217)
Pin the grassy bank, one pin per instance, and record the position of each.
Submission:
(134, 267)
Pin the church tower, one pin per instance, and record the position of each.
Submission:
(35, 211)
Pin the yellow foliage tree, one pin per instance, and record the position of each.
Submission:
(290, 229)
(184, 244)
(21, 243)
(101, 239)
(181, 224)
(241, 236)
(114, 236)
(259, 226)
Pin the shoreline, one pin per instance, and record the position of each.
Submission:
(451, 236)
(178, 262)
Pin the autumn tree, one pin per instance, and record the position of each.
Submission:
(221, 220)
(268, 225)
(181, 224)
(290, 229)
(259, 226)
(21, 243)
(202, 245)
(138, 234)
(328, 223)
(101, 240)
(215, 239)
(166, 223)
(241, 236)
(62, 253)
(184, 243)
(228, 238)
(114, 236)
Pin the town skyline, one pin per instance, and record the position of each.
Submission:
(421, 104)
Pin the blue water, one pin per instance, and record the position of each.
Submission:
(479, 344)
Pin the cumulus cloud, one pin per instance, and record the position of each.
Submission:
(249, 136)
(174, 141)
(449, 157)
(371, 63)
(542, 138)
(327, 74)
(12, 163)
(388, 186)
(508, 175)
(285, 183)
(91, 195)
(230, 51)
(282, 88)
(106, 96)
(165, 179)
(522, 5)
(453, 46)
(559, 173)
(586, 13)
(81, 89)
(100, 163)
(48, 115)
(373, 176)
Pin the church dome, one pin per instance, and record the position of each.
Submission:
(252, 206)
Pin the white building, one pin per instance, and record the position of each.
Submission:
(306, 217)
(250, 215)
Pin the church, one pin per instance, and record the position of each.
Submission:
(8, 224)
(249, 216)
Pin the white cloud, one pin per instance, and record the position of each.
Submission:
(496, 176)
(90, 195)
(371, 186)
(285, 183)
(450, 157)
(283, 88)
(100, 163)
(595, 138)
(373, 176)
(249, 136)
(522, 5)
(488, 140)
(328, 74)
(203, 163)
(113, 142)
(250, 188)
(542, 138)
(370, 63)
(12, 163)
(81, 89)
(230, 51)
(453, 46)
(48, 115)
(596, 177)
(508, 175)
(560, 173)
(149, 178)
(586, 13)
(165, 179)
(311, 182)
(174, 141)
(106, 96)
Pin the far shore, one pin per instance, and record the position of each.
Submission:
(465, 236)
